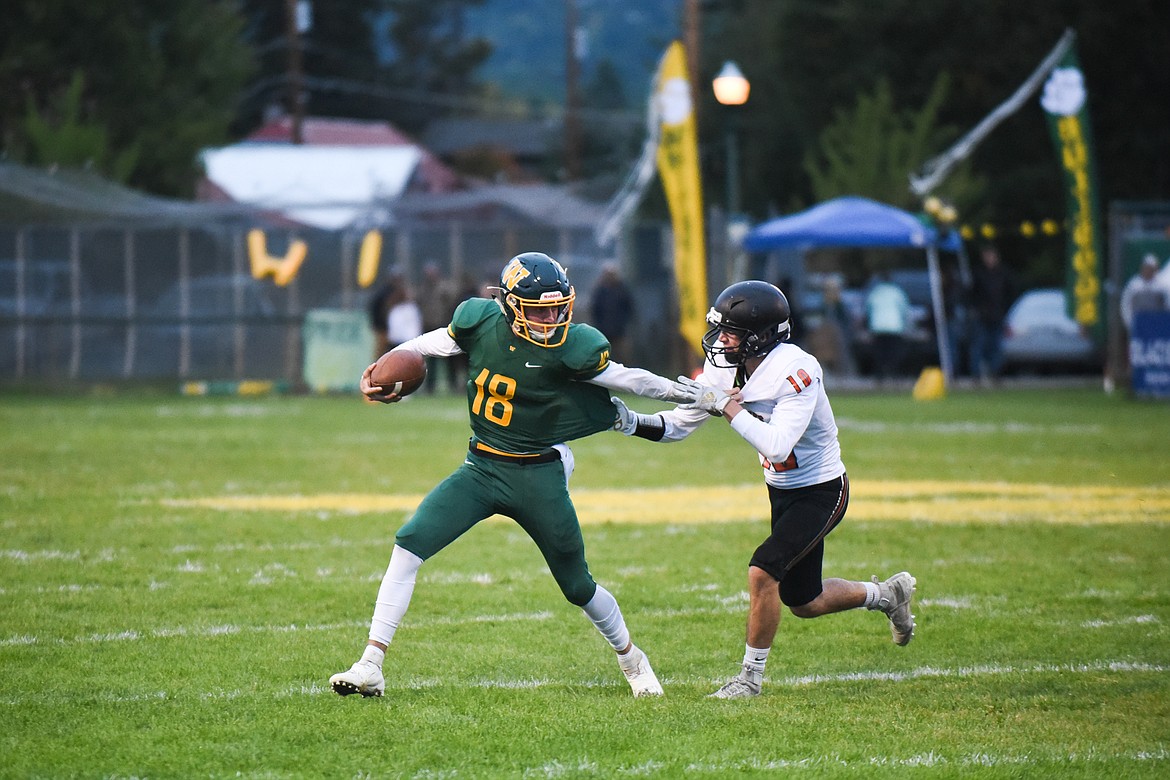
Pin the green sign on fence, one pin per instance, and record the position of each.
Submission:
(338, 346)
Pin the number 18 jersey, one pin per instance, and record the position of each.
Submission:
(524, 398)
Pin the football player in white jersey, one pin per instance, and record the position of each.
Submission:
(773, 395)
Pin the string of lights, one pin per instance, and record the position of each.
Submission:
(1025, 229)
(945, 217)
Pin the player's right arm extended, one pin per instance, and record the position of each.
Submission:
(641, 382)
(434, 343)
(665, 426)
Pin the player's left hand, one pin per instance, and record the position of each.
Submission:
(375, 392)
(626, 421)
(710, 399)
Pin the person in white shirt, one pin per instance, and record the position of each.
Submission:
(773, 395)
(887, 311)
(1144, 292)
(403, 320)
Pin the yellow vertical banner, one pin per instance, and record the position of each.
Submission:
(368, 258)
(678, 167)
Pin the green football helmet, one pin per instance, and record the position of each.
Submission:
(537, 299)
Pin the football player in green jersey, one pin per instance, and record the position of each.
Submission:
(536, 380)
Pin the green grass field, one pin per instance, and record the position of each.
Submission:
(180, 576)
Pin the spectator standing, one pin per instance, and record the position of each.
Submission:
(403, 316)
(832, 339)
(799, 332)
(837, 312)
(379, 311)
(441, 296)
(1163, 276)
(612, 308)
(992, 293)
(887, 311)
(955, 296)
(1144, 292)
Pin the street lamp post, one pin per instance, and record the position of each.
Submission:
(731, 90)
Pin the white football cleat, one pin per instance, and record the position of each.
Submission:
(636, 667)
(895, 602)
(362, 677)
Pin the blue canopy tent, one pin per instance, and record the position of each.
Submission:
(859, 222)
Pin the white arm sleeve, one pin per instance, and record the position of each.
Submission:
(435, 343)
(776, 439)
(681, 423)
(638, 381)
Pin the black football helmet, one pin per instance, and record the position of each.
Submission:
(755, 311)
(537, 299)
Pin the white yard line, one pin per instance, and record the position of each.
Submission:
(1122, 621)
(717, 604)
(207, 632)
(931, 759)
(518, 683)
(981, 670)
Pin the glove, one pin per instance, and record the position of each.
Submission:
(626, 421)
(710, 399)
(686, 391)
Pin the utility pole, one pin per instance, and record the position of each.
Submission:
(691, 43)
(296, 76)
(572, 95)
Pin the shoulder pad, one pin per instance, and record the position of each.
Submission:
(586, 351)
(472, 312)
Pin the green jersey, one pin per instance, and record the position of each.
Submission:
(524, 398)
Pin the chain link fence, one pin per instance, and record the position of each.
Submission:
(88, 303)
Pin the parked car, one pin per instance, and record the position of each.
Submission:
(1039, 336)
(231, 325)
(48, 293)
(58, 324)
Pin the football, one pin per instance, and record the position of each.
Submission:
(400, 372)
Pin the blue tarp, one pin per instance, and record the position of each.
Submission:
(847, 222)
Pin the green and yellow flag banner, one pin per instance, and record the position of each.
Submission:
(1065, 101)
(678, 167)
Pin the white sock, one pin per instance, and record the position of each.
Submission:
(373, 655)
(755, 658)
(872, 594)
(603, 610)
(394, 594)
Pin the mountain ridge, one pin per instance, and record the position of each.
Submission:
(528, 37)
